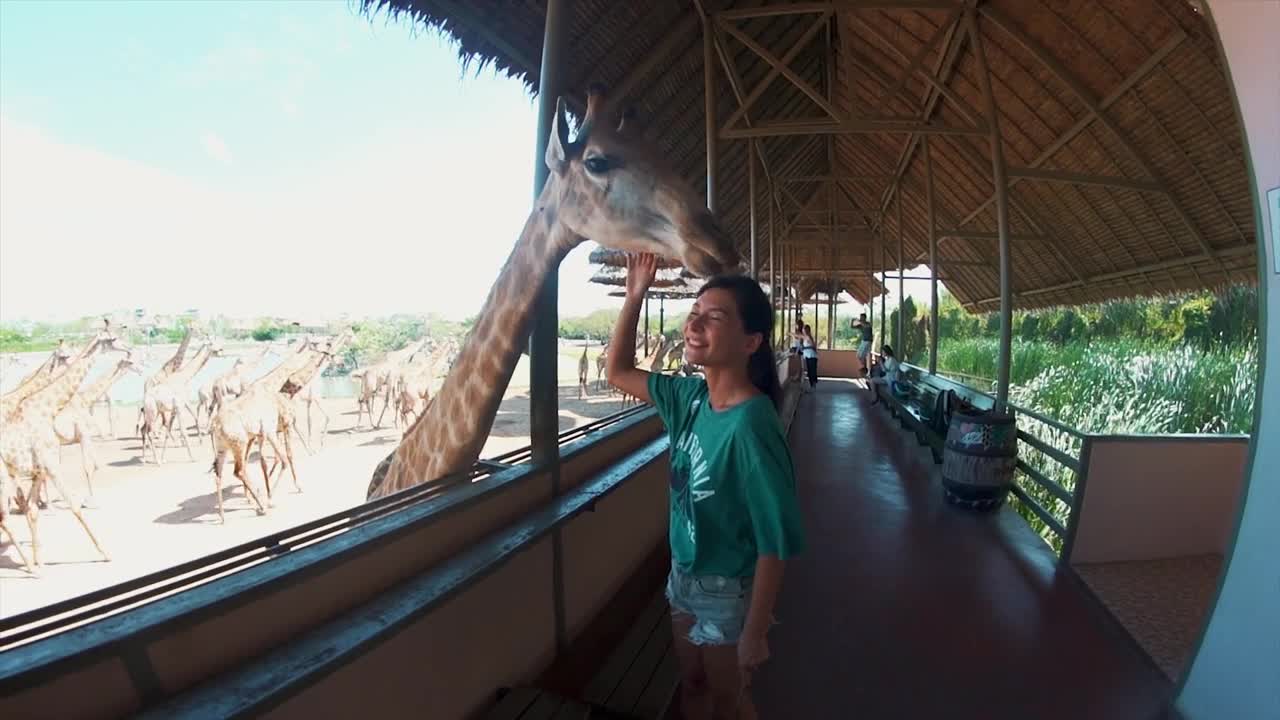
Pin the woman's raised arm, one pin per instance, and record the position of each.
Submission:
(620, 365)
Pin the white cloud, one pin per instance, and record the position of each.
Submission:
(215, 147)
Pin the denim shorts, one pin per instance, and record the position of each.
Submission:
(717, 604)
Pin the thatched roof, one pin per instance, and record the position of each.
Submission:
(1124, 154)
(618, 259)
(621, 280)
(667, 294)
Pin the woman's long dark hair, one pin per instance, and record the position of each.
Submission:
(757, 317)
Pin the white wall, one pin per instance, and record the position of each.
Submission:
(1236, 673)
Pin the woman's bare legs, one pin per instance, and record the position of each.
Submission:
(695, 693)
(712, 686)
(730, 689)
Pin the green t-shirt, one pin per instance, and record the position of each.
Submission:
(733, 490)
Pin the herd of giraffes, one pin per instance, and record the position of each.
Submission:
(666, 357)
(51, 408)
(606, 185)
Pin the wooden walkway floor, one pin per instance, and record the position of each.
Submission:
(905, 607)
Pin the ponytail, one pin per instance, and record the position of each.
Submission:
(763, 370)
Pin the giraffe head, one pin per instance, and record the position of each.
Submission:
(613, 189)
(107, 340)
(130, 363)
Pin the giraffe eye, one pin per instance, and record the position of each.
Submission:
(596, 164)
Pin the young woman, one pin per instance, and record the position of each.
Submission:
(891, 368)
(809, 348)
(733, 509)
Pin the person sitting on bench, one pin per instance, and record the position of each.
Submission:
(889, 376)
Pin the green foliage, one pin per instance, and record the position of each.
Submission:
(597, 326)
(1184, 364)
(1203, 319)
(266, 332)
(375, 338)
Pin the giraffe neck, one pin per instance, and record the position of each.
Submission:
(188, 371)
(175, 362)
(252, 367)
(303, 375)
(449, 435)
(99, 387)
(15, 397)
(50, 401)
(274, 379)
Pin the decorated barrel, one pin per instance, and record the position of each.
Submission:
(979, 457)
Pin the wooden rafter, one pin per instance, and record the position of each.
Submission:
(1059, 142)
(782, 67)
(1120, 274)
(785, 60)
(1095, 109)
(805, 8)
(1071, 178)
(858, 126)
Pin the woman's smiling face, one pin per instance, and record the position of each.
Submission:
(713, 331)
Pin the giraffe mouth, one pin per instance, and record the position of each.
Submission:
(708, 249)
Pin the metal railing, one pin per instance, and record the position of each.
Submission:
(95, 605)
(1049, 460)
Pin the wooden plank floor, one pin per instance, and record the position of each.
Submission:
(905, 607)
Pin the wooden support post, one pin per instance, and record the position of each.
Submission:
(933, 261)
(773, 268)
(709, 96)
(831, 320)
(884, 268)
(544, 412)
(751, 203)
(871, 284)
(902, 295)
(786, 321)
(646, 324)
(1002, 216)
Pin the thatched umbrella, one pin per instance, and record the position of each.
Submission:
(621, 281)
(676, 293)
(618, 259)
(663, 288)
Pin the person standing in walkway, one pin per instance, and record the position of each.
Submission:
(866, 331)
(734, 515)
(809, 348)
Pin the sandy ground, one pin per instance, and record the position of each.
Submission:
(149, 517)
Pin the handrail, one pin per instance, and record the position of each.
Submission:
(1055, 424)
(269, 680)
(1050, 521)
(108, 603)
(1062, 458)
(1054, 454)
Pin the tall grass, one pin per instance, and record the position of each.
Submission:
(1124, 386)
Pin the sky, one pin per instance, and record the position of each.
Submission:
(255, 158)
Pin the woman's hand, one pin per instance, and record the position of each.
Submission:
(753, 649)
(642, 268)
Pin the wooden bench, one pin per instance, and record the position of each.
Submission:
(636, 682)
(916, 411)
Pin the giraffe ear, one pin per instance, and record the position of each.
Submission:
(557, 144)
(627, 120)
